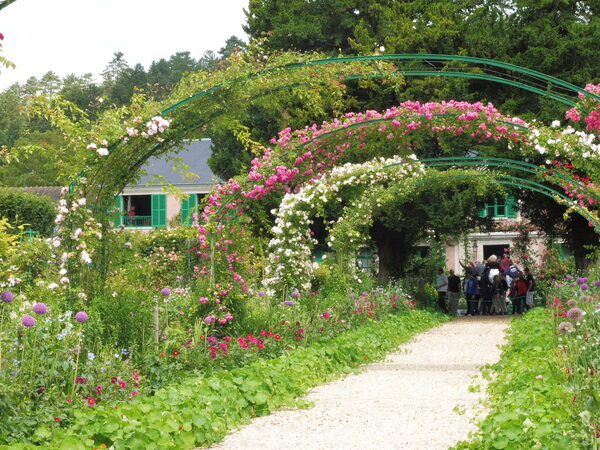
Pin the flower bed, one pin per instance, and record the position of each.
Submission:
(546, 390)
(201, 410)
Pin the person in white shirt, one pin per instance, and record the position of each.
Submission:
(441, 285)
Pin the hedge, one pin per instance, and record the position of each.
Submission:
(37, 212)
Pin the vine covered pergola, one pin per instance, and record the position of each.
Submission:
(377, 146)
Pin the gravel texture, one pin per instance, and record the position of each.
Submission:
(416, 399)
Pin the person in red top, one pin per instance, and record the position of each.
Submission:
(518, 292)
(505, 263)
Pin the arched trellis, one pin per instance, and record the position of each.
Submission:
(199, 109)
(193, 113)
(370, 178)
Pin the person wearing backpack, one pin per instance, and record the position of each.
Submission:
(531, 286)
(518, 294)
(471, 290)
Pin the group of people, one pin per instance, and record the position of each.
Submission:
(487, 287)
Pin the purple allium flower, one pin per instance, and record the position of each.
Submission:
(597, 283)
(261, 293)
(289, 302)
(565, 327)
(295, 293)
(572, 284)
(571, 303)
(81, 317)
(165, 292)
(584, 287)
(7, 296)
(580, 281)
(585, 280)
(569, 277)
(575, 314)
(352, 295)
(28, 321)
(559, 285)
(40, 308)
(364, 294)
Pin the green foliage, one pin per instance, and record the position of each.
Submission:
(530, 406)
(200, 411)
(34, 212)
(8, 239)
(169, 239)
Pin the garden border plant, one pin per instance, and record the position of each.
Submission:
(545, 388)
(200, 411)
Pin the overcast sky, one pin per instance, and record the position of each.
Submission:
(79, 36)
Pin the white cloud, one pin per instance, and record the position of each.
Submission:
(79, 36)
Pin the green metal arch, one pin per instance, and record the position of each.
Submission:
(422, 57)
(547, 81)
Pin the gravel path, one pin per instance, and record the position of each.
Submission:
(414, 400)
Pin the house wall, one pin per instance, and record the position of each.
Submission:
(477, 241)
(173, 207)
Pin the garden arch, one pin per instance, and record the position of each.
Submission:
(200, 108)
(450, 119)
(290, 264)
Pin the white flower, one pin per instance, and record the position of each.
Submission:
(102, 152)
(62, 271)
(85, 257)
(555, 123)
(82, 201)
(64, 280)
(52, 286)
(56, 242)
(92, 146)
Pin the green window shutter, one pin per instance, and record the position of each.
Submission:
(118, 210)
(188, 207)
(184, 212)
(483, 211)
(159, 210)
(511, 207)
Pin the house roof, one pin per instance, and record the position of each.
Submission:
(49, 191)
(194, 154)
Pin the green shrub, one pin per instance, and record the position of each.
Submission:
(22, 208)
(173, 239)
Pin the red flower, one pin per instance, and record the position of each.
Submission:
(277, 337)
(175, 353)
(1, 37)
(56, 419)
(91, 401)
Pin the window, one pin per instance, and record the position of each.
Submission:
(500, 208)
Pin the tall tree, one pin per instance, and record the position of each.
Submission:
(232, 44)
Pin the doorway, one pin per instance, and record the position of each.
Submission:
(499, 250)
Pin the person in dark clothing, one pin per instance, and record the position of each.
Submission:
(485, 289)
(453, 292)
(471, 289)
(531, 286)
